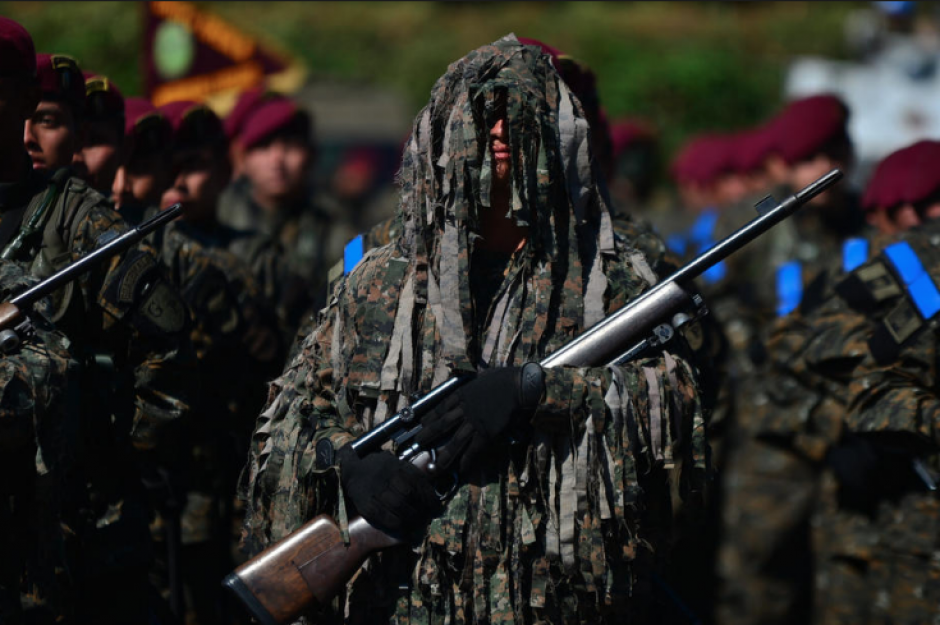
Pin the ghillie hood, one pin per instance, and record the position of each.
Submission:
(556, 193)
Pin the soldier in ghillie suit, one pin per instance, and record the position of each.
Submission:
(506, 253)
(126, 324)
(37, 464)
(827, 517)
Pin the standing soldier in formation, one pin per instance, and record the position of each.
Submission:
(234, 331)
(126, 324)
(507, 252)
(37, 463)
(829, 515)
(275, 141)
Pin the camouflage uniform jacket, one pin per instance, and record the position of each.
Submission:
(570, 527)
(237, 342)
(289, 254)
(37, 455)
(858, 359)
(124, 315)
(311, 236)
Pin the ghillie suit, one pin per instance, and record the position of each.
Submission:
(569, 526)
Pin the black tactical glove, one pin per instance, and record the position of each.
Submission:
(479, 413)
(393, 495)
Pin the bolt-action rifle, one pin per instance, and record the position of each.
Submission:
(311, 565)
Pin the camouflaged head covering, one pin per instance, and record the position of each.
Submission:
(447, 171)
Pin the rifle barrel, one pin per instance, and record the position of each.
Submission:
(72, 271)
(603, 342)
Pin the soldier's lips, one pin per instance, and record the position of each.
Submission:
(169, 200)
(38, 163)
(500, 151)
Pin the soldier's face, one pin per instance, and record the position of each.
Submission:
(806, 172)
(199, 176)
(98, 160)
(502, 157)
(51, 136)
(278, 168)
(904, 217)
(142, 180)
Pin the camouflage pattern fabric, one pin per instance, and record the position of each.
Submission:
(571, 526)
(37, 458)
(797, 547)
(238, 346)
(128, 327)
(237, 341)
(308, 239)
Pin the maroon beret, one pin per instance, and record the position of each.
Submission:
(247, 101)
(805, 126)
(103, 99)
(268, 117)
(17, 53)
(145, 128)
(703, 159)
(627, 132)
(753, 147)
(60, 79)
(194, 124)
(923, 180)
(908, 176)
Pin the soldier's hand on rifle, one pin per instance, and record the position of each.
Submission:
(478, 414)
(389, 493)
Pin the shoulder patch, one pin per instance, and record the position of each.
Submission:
(127, 290)
(163, 307)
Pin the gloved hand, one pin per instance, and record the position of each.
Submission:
(393, 495)
(479, 413)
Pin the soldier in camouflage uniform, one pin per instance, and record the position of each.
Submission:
(275, 139)
(234, 331)
(37, 462)
(827, 517)
(501, 218)
(125, 322)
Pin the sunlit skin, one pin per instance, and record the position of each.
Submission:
(142, 180)
(696, 197)
(730, 189)
(500, 233)
(903, 217)
(51, 136)
(799, 175)
(18, 100)
(199, 176)
(98, 160)
(278, 170)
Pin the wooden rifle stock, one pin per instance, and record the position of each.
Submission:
(307, 568)
(304, 570)
(310, 566)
